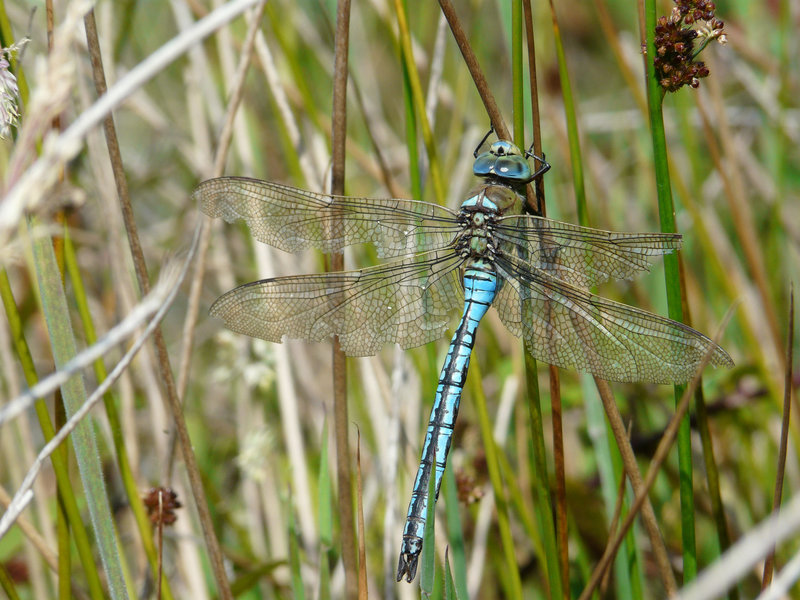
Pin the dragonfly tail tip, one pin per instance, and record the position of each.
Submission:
(407, 566)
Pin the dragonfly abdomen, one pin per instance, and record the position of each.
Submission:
(480, 287)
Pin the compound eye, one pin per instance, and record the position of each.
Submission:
(512, 167)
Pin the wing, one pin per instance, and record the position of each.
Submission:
(583, 256)
(293, 219)
(405, 302)
(571, 328)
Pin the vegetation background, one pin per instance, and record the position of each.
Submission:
(260, 415)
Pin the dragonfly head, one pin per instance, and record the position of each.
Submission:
(503, 161)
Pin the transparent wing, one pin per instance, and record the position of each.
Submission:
(580, 255)
(293, 219)
(405, 302)
(571, 328)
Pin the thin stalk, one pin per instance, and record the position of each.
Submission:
(474, 69)
(672, 274)
(556, 539)
(632, 469)
(518, 86)
(341, 420)
(221, 153)
(538, 206)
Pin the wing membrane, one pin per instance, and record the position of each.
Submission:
(405, 302)
(571, 328)
(583, 256)
(292, 219)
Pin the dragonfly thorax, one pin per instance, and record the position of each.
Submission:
(476, 238)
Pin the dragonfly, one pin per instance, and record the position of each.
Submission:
(536, 272)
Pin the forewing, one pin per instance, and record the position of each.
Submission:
(571, 328)
(579, 255)
(292, 219)
(409, 303)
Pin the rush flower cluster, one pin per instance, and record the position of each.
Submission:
(675, 43)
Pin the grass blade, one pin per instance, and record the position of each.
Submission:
(512, 576)
(455, 532)
(62, 340)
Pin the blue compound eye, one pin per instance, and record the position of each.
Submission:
(512, 167)
(483, 164)
(503, 160)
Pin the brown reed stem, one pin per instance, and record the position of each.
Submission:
(341, 420)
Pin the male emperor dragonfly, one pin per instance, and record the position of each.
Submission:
(536, 272)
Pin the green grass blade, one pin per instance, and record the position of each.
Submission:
(59, 457)
(428, 559)
(298, 592)
(62, 535)
(455, 533)
(418, 100)
(7, 584)
(666, 212)
(575, 155)
(543, 503)
(512, 575)
(56, 312)
(411, 137)
(450, 591)
(525, 514)
(325, 494)
(114, 421)
(325, 518)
